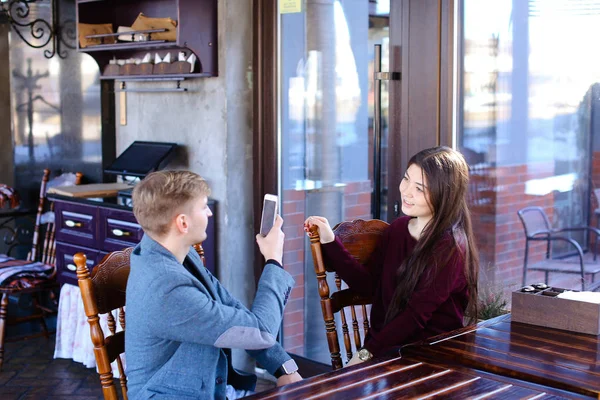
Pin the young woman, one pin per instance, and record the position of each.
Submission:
(423, 273)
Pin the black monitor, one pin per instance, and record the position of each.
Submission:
(141, 158)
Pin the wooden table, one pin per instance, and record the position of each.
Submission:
(549, 357)
(407, 377)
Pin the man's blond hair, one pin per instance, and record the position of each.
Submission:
(161, 195)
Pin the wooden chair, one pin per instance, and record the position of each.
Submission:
(103, 292)
(537, 228)
(359, 238)
(28, 283)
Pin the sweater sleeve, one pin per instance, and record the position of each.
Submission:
(427, 297)
(362, 278)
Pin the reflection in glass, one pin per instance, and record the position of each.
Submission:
(528, 84)
(326, 140)
(55, 111)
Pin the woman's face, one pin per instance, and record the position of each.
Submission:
(415, 194)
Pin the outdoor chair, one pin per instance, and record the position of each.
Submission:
(538, 229)
(360, 239)
(34, 275)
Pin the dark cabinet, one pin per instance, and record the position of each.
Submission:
(117, 229)
(196, 32)
(97, 227)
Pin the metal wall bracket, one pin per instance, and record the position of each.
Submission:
(123, 88)
(41, 32)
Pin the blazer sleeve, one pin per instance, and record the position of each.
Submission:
(362, 278)
(272, 358)
(185, 313)
(427, 297)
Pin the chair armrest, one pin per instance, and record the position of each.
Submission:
(564, 239)
(580, 228)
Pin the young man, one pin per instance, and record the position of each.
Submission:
(180, 321)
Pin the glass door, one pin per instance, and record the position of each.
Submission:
(332, 162)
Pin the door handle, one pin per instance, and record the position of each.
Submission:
(378, 76)
(118, 232)
(72, 224)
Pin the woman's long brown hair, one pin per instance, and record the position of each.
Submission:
(447, 176)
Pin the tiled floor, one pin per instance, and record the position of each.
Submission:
(30, 372)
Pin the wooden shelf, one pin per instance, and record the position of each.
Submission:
(154, 44)
(196, 30)
(104, 35)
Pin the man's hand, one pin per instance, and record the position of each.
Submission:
(354, 360)
(271, 246)
(287, 379)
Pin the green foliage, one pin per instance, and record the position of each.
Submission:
(491, 304)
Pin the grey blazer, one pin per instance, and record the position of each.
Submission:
(178, 327)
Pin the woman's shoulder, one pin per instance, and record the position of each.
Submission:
(399, 226)
(400, 222)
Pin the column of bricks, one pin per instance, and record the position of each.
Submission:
(593, 219)
(596, 170)
(357, 204)
(293, 214)
(357, 201)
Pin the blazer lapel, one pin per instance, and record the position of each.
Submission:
(204, 278)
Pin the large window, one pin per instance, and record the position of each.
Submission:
(529, 123)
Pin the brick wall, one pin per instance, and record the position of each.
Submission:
(499, 231)
(596, 169)
(293, 213)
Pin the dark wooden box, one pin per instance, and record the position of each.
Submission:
(545, 309)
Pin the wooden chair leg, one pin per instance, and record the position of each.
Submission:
(3, 311)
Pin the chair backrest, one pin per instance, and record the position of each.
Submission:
(103, 292)
(359, 237)
(535, 221)
(9, 197)
(46, 254)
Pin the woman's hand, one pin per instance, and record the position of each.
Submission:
(354, 360)
(325, 232)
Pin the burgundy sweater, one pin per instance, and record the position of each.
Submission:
(437, 304)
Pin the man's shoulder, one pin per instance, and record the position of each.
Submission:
(153, 271)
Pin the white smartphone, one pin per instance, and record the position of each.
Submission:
(269, 212)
